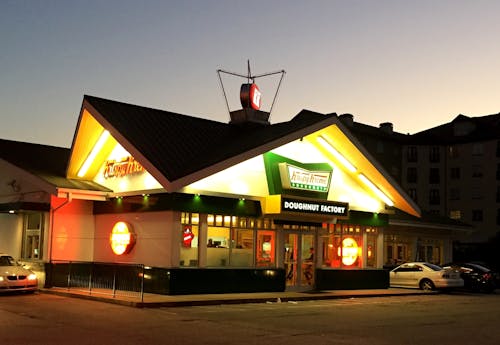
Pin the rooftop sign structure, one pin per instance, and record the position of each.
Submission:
(250, 98)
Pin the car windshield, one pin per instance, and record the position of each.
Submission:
(6, 260)
(479, 267)
(433, 267)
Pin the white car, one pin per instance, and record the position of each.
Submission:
(14, 277)
(425, 276)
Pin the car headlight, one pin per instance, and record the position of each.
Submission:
(1, 279)
(32, 276)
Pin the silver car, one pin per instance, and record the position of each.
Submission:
(14, 277)
(425, 276)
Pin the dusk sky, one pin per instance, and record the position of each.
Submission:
(417, 64)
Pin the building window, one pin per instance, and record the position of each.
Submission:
(189, 239)
(398, 249)
(33, 236)
(434, 197)
(455, 173)
(477, 171)
(434, 154)
(454, 194)
(343, 248)
(434, 175)
(429, 250)
(477, 149)
(476, 192)
(412, 155)
(412, 192)
(456, 214)
(453, 152)
(477, 215)
(240, 242)
(411, 175)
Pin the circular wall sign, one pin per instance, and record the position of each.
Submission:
(350, 251)
(122, 238)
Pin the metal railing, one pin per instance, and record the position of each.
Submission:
(94, 278)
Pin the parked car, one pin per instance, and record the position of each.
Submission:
(476, 277)
(425, 276)
(14, 277)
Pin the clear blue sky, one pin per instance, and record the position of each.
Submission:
(416, 64)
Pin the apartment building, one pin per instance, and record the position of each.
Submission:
(452, 170)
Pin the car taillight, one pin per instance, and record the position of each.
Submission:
(486, 275)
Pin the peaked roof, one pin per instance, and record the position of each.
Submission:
(178, 146)
(178, 150)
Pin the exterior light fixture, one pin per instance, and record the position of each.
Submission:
(122, 238)
(375, 189)
(348, 165)
(95, 150)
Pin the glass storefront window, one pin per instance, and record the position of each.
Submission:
(429, 250)
(242, 248)
(237, 242)
(32, 236)
(266, 248)
(218, 245)
(231, 241)
(398, 249)
(371, 247)
(343, 246)
(189, 241)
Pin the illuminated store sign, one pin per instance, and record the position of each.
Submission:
(250, 96)
(293, 177)
(187, 236)
(122, 238)
(329, 208)
(122, 168)
(350, 251)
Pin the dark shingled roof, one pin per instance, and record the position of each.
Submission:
(179, 145)
(47, 162)
(481, 128)
(35, 158)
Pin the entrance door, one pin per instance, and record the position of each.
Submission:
(299, 260)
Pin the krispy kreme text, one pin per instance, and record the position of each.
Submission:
(121, 168)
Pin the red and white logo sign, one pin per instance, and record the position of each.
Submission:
(122, 238)
(250, 96)
(187, 237)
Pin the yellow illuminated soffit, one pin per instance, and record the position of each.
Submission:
(93, 154)
(92, 144)
(341, 149)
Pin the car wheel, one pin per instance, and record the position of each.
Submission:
(426, 285)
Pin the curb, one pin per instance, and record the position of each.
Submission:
(212, 300)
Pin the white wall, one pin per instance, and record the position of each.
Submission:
(155, 242)
(11, 232)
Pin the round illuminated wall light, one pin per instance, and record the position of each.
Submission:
(122, 238)
(350, 251)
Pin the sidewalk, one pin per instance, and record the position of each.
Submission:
(155, 301)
